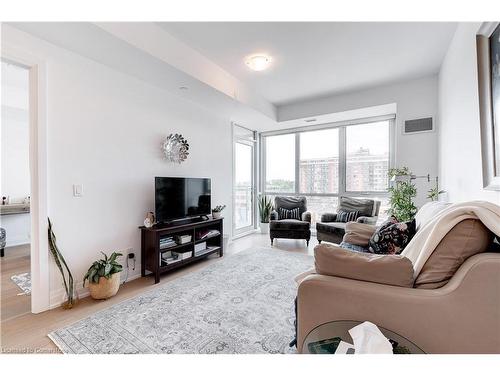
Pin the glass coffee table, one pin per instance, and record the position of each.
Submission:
(328, 334)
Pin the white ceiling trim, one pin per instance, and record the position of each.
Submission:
(154, 40)
(93, 42)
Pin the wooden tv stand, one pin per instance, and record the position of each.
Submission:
(151, 252)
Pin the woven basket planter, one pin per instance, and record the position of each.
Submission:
(106, 288)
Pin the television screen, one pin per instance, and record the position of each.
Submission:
(179, 198)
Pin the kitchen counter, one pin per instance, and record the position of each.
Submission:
(14, 209)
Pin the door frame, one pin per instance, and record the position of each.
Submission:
(236, 233)
(39, 251)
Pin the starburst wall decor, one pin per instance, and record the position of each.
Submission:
(175, 148)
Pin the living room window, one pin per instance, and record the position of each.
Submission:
(319, 162)
(367, 157)
(281, 176)
(328, 161)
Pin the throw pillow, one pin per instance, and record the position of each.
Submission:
(283, 213)
(346, 216)
(392, 238)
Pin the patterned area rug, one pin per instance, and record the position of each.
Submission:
(241, 304)
(23, 281)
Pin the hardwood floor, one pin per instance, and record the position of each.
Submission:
(28, 333)
(15, 262)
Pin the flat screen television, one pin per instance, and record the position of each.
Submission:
(180, 198)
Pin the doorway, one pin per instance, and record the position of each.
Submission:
(244, 183)
(15, 187)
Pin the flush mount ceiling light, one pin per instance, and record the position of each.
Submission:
(258, 62)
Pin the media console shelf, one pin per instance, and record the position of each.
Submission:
(153, 245)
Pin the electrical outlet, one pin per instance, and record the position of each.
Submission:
(130, 258)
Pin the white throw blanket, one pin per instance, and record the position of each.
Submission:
(428, 237)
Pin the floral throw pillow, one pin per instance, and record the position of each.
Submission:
(392, 237)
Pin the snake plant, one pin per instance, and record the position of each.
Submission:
(265, 208)
(60, 263)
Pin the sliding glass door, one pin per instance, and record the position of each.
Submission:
(244, 181)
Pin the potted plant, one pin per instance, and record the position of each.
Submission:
(402, 193)
(217, 211)
(265, 208)
(104, 277)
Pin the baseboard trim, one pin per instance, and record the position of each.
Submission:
(56, 297)
(17, 243)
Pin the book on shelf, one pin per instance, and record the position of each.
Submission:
(169, 257)
(167, 242)
(167, 245)
(207, 233)
(169, 261)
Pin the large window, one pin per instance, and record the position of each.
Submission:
(367, 157)
(280, 176)
(319, 162)
(345, 159)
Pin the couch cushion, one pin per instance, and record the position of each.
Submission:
(289, 224)
(467, 238)
(331, 227)
(332, 260)
(358, 233)
(364, 206)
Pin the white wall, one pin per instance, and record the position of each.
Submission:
(459, 139)
(104, 131)
(414, 99)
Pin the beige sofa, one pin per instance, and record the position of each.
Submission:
(452, 307)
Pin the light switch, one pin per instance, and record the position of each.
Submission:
(78, 190)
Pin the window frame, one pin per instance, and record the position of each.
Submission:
(342, 138)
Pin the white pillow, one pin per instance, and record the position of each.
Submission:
(427, 212)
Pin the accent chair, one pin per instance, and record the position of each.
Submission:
(333, 231)
(290, 228)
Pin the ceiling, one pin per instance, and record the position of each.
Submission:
(317, 59)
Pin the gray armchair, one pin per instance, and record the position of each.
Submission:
(332, 231)
(290, 228)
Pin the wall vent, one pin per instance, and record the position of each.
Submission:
(418, 126)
